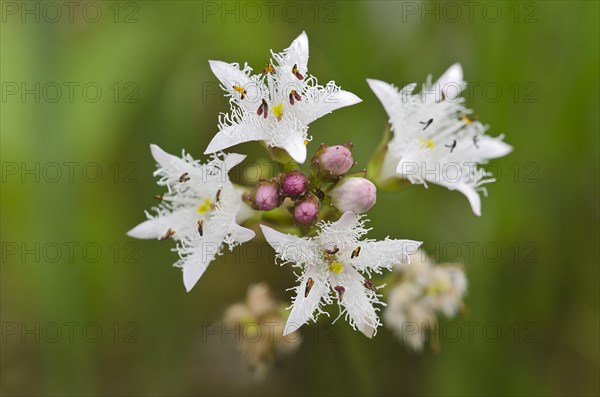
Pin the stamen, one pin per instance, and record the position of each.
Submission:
(336, 267)
(241, 90)
(355, 253)
(475, 138)
(263, 109)
(340, 290)
(278, 111)
(184, 178)
(218, 198)
(159, 197)
(466, 120)
(201, 227)
(297, 73)
(369, 285)
(309, 284)
(426, 123)
(170, 233)
(305, 142)
(294, 94)
(332, 251)
(452, 146)
(268, 69)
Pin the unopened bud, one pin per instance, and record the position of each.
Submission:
(306, 210)
(293, 184)
(354, 194)
(331, 162)
(265, 195)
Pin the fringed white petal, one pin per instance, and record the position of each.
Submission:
(307, 301)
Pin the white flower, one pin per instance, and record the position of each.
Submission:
(332, 263)
(434, 140)
(277, 106)
(425, 290)
(200, 210)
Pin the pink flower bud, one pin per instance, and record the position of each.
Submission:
(265, 196)
(354, 194)
(293, 184)
(331, 162)
(306, 210)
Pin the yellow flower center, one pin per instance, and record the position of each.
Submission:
(336, 267)
(278, 110)
(427, 144)
(437, 287)
(205, 207)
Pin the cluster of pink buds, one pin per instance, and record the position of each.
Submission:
(328, 179)
(347, 192)
(270, 194)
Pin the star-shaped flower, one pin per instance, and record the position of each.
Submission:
(333, 262)
(277, 106)
(434, 139)
(200, 210)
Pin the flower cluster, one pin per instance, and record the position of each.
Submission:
(314, 218)
(424, 290)
(327, 178)
(258, 324)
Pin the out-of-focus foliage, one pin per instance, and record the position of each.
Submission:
(531, 259)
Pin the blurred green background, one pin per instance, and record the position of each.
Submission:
(65, 257)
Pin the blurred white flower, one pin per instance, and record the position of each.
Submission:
(424, 290)
(200, 210)
(277, 106)
(434, 140)
(258, 323)
(332, 263)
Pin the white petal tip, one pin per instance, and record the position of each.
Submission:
(296, 149)
(188, 283)
(374, 84)
(156, 151)
(243, 234)
(373, 81)
(353, 99)
(290, 328)
(218, 143)
(272, 236)
(143, 231)
(368, 331)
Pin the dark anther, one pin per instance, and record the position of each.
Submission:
(309, 284)
(452, 146)
(170, 233)
(426, 123)
(184, 178)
